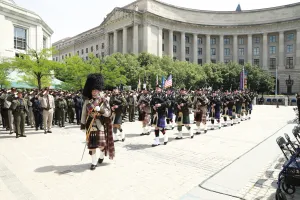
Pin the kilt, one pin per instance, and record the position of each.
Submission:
(238, 109)
(250, 106)
(142, 116)
(225, 111)
(96, 140)
(230, 112)
(243, 107)
(170, 113)
(159, 121)
(182, 119)
(118, 118)
(200, 117)
(217, 115)
(146, 119)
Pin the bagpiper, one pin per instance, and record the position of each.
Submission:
(96, 121)
(144, 111)
(182, 104)
(159, 104)
(170, 110)
(200, 110)
(215, 111)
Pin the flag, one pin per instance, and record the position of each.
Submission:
(139, 85)
(163, 81)
(168, 82)
(156, 79)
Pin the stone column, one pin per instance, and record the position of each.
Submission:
(265, 51)
(195, 48)
(171, 43)
(235, 48)
(124, 40)
(115, 41)
(146, 38)
(281, 50)
(135, 39)
(182, 48)
(298, 49)
(159, 42)
(107, 48)
(249, 43)
(221, 47)
(208, 49)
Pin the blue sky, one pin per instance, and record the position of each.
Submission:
(71, 17)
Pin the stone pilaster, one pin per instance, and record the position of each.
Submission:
(182, 48)
(124, 40)
(250, 49)
(171, 43)
(195, 48)
(221, 47)
(235, 48)
(208, 49)
(159, 53)
(265, 51)
(115, 41)
(135, 39)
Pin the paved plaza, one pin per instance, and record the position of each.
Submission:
(231, 163)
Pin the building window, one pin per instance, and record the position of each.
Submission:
(290, 48)
(102, 46)
(290, 36)
(272, 38)
(199, 51)
(256, 40)
(213, 41)
(69, 54)
(187, 39)
(226, 61)
(86, 58)
(241, 40)
(241, 51)
(92, 48)
(102, 55)
(213, 61)
(66, 55)
(62, 57)
(199, 40)
(77, 52)
(213, 51)
(174, 49)
(174, 38)
(187, 50)
(256, 51)
(86, 50)
(56, 59)
(97, 55)
(174, 58)
(199, 61)
(97, 47)
(20, 38)
(241, 61)
(44, 42)
(272, 50)
(256, 62)
(272, 63)
(163, 47)
(187, 59)
(226, 40)
(289, 62)
(163, 35)
(82, 52)
(226, 51)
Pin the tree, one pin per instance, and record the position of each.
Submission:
(4, 72)
(30, 79)
(37, 64)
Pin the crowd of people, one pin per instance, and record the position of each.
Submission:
(101, 114)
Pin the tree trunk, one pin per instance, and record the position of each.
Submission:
(39, 80)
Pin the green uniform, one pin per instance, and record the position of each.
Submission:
(19, 110)
(71, 109)
(61, 110)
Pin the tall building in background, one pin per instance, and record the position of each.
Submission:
(268, 38)
(20, 30)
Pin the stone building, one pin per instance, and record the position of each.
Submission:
(268, 38)
(21, 30)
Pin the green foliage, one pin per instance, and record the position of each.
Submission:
(35, 64)
(30, 79)
(119, 69)
(4, 72)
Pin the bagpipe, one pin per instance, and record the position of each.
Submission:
(182, 99)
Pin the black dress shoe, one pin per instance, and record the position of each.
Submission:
(165, 143)
(231, 124)
(198, 133)
(41, 128)
(178, 138)
(63, 126)
(205, 131)
(148, 133)
(17, 136)
(192, 136)
(123, 140)
(49, 131)
(23, 136)
(142, 134)
(93, 167)
(45, 132)
(155, 145)
(36, 129)
(100, 160)
(11, 132)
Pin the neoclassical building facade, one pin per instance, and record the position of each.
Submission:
(268, 38)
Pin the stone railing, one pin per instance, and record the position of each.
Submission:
(274, 100)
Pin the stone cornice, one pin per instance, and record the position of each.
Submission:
(11, 12)
(166, 23)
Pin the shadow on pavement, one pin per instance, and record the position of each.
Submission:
(134, 147)
(61, 170)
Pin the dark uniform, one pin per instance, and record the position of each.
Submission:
(37, 112)
(131, 107)
(19, 109)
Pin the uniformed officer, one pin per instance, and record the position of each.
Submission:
(19, 110)
(61, 109)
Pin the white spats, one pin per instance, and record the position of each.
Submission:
(101, 155)
(198, 129)
(116, 137)
(191, 133)
(122, 135)
(179, 134)
(94, 159)
(205, 127)
(156, 141)
(166, 138)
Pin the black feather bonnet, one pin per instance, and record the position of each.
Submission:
(93, 82)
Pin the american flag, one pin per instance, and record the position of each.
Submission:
(168, 82)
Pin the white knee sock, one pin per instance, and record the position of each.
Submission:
(101, 154)
(94, 159)
(198, 129)
(179, 134)
(166, 137)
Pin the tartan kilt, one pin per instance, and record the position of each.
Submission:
(170, 113)
(243, 107)
(96, 140)
(118, 118)
(182, 119)
(230, 112)
(142, 116)
(200, 117)
(238, 109)
(158, 121)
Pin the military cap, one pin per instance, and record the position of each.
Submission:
(19, 91)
